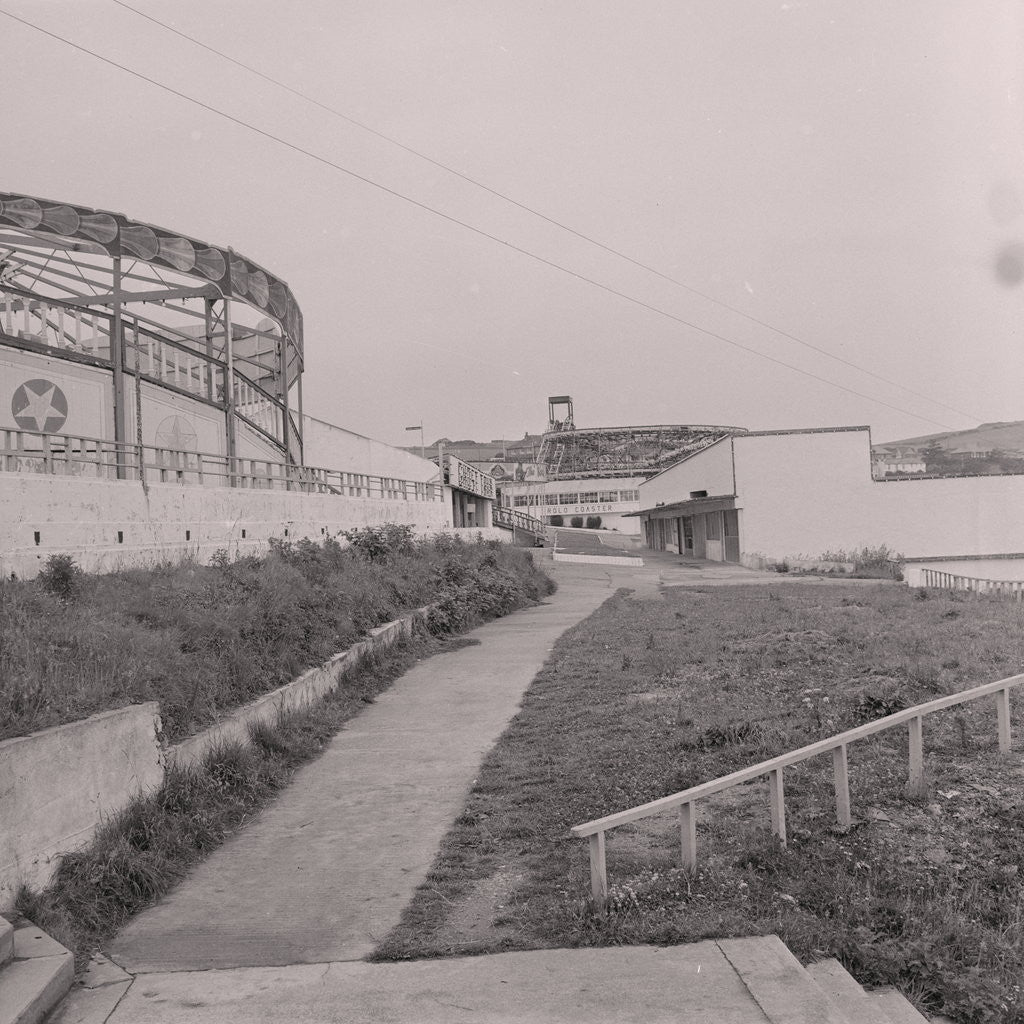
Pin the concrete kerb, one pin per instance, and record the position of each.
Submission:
(312, 685)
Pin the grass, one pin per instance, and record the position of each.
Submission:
(649, 697)
(203, 639)
(149, 846)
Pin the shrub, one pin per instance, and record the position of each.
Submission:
(593, 522)
(576, 522)
(557, 521)
(62, 577)
(382, 543)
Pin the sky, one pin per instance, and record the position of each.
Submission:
(847, 174)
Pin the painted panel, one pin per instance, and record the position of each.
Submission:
(64, 397)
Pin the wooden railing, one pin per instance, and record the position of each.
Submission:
(950, 581)
(68, 455)
(686, 800)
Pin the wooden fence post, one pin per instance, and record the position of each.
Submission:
(916, 739)
(1003, 716)
(688, 834)
(840, 773)
(598, 870)
(777, 798)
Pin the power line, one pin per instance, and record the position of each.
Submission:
(463, 224)
(536, 213)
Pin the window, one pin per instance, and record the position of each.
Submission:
(607, 495)
(629, 495)
(568, 499)
(519, 500)
(588, 497)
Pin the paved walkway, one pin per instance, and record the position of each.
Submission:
(325, 871)
(273, 926)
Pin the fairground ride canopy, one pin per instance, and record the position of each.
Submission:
(84, 230)
(158, 291)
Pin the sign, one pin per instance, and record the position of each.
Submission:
(573, 510)
(39, 405)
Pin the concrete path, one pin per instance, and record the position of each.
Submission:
(643, 984)
(326, 870)
(273, 926)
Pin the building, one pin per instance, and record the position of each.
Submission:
(764, 498)
(590, 472)
(151, 404)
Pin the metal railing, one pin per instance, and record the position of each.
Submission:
(686, 800)
(90, 457)
(950, 581)
(511, 518)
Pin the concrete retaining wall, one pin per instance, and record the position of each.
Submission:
(57, 785)
(309, 687)
(107, 524)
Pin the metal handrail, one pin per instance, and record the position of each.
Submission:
(686, 799)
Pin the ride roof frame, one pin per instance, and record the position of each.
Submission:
(86, 257)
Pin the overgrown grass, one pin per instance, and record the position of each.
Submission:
(204, 639)
(149, 846)
(649, 697)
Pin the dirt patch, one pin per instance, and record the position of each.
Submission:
(479, 917)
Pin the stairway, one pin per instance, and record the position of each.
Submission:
(824, 992)
(35, 973)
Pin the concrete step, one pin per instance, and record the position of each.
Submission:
(898, 1007)
(6, 941)
(35, 978)
(863, 1006)
(842, 988)
(782, 988)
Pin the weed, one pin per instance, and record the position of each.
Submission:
(204, 639)
(62, 576)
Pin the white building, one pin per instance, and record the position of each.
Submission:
(784, 496)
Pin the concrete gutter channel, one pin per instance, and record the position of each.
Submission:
(275, 924)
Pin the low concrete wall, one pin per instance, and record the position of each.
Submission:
(107, 524)
(57, 785)
(309, 687)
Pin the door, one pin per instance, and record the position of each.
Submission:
(731, 526)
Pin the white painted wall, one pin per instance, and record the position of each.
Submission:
(89, 394)
(329, 447)
(83, 517)
(801, 494)
(805, 493)
(709, 470)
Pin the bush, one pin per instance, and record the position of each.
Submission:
(205, 639)
(556, 521)
(576, 522)
(593, 522)
(62, 577)
(382, 543)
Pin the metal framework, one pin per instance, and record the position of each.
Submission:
(152, 304)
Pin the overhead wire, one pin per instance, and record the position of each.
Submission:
(464, 224)
(537, 213)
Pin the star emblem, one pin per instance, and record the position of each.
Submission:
(177, 434)
(39, 405)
